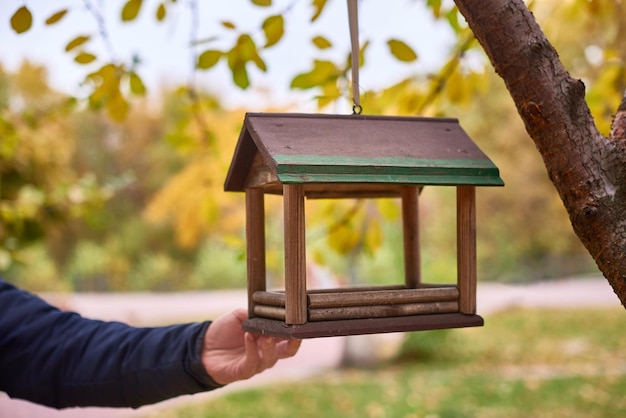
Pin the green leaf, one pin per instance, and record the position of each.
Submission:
(262, 3)
(274, 28)
(240, 75)
(321, 42)
(21, 20)
(85, 58)
(401, 51)
(322, 72)
(453, 19)
(136, 84)
(237, 67)
(161, 12)
(54, 18)
(78, 41)
(318, 5)
(131, 10)
(209, 58)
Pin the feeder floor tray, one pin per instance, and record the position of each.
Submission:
(277, 328)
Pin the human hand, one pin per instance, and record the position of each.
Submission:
(230, 354)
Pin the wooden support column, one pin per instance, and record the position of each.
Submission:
(295, 255)
(466, 248)
(255, 244)
(410, 227)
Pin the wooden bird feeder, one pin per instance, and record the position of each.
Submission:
(303, 156)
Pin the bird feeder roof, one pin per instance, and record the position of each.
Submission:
(355, 154)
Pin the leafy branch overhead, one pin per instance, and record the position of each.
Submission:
(247, 48)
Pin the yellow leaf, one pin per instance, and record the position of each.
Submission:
(373, 235)
(136, 84)
(209, 58)
(85, 58)
(259, 62)
(56, 17)
(435, 5)
(229, 25)
(388, 208)
(455, 87)
(318, 5)
(262, 3)
(401, 50)
(318, 257)
(131, 9)
(321, 42)
(161, 12)
(21, 20)
(322, 72)
(273, 27)
(343, 239)
(117, 107)
(79, 40)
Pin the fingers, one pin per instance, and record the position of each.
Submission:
(288, 348)
(272, 349)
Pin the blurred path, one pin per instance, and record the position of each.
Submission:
(315, 355)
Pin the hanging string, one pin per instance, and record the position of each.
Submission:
(353, 18)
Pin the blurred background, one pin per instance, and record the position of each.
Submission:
(118, 120)
(112, 169)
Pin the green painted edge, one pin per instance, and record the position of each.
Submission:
(316, 169)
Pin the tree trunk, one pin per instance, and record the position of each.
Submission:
(587, 169)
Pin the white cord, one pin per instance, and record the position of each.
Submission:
(353, 18)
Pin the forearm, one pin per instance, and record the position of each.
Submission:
(61, 359)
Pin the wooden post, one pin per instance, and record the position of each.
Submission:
(255, 244)
(466, 248)
(410, 227)
(295, 254)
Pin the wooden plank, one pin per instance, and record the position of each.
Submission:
(272, 312)
(278, 328)
(269, 298)
(466, 248)
(335, 298)
(295, 254)
(411, 236)
(382, 297)
(255, 244)
(382, 287)
(382, 311)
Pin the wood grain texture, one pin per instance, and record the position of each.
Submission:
(411, 236)
(466, 248)
(315, 148)
(381, 311)
(277, 328)
(295, 254)
(255, 244)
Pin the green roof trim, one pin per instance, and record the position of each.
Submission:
(394, 170)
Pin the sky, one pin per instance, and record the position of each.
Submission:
(166, 58)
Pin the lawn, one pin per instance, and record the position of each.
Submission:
(523, 363)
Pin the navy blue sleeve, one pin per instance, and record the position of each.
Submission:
(61, 359)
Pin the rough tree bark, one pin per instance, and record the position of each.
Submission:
(587, 169)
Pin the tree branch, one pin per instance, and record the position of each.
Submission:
(586, 168)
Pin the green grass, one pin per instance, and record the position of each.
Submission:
(523, 363)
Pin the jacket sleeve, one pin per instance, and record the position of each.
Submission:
(61, 359)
